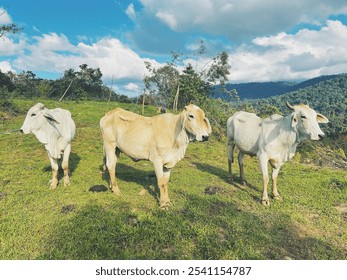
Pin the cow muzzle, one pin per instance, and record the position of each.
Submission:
(205, 138)
(22, 130)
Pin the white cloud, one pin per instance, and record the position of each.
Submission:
(131, 87)
(9, 46)
(52, 42)
(5, 67)
(306, 54)
(4, 16)
(238, 20)
(130, 12)
(55, 53)
(167, 18)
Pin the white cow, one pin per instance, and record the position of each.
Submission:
(162, 139)
(273, 140)
(55, 129)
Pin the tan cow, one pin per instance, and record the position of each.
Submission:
(162, 139)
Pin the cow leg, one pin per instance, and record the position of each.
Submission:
(55, 168)
(164, 200)
(231, 147)
(240, 160)
(264, 171)
(274, 184)
(163, 177)
(111, 160)
(65, 165)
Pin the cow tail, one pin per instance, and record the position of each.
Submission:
(104, 158)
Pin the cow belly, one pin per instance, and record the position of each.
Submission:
(134, 151)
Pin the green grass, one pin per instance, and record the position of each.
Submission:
(75, 223)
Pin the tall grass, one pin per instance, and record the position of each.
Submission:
(210, 218)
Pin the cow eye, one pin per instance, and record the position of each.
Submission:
(303, 117)
(33, 114)
(191, 116)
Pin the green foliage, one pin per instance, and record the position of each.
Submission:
(230, 223)
(218, 113)
(9, 28)
(85, 84)
(192, 88)
(173, 89)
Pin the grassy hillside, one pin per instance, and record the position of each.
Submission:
(210, 218)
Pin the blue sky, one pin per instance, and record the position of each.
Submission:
(267, 40)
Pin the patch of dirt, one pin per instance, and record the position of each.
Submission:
(2, 195)
(143, 192)
(212, 190)
(98, 188)
(68, 209)
(5, 182)
(342, 208)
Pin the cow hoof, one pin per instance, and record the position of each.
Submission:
(265, 202)
(116, 190)
(165, 205)
(230, 179)
(66, 182)
(53, 184)
(278, 197)
(243, 182)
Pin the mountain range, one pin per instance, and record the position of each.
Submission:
(256, 90)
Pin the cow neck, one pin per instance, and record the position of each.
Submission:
(181, 136)
(179, 145)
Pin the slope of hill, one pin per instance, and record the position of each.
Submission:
(267, 89)
(329, 97)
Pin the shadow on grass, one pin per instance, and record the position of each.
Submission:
(204, 228)
(127, 173)
(223, 174)
(74, 160)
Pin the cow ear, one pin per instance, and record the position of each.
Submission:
(49, 117)
(295, 119)
(321, 118)
(209, 128)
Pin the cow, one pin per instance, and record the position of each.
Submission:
(55, 129)
(161, 139)
(273, 140)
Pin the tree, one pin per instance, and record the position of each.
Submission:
(8, 28)
(80, 85)
(194, 84)
(162, 84)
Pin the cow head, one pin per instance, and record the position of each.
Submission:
(307, 121)
(196, 124)
(36, 118)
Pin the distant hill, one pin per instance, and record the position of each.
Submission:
(267, 89)
(328, 96)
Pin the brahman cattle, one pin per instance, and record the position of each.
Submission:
(273, 140)
(55, 129)
(161, 139)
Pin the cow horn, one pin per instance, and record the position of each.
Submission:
(289, 105)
